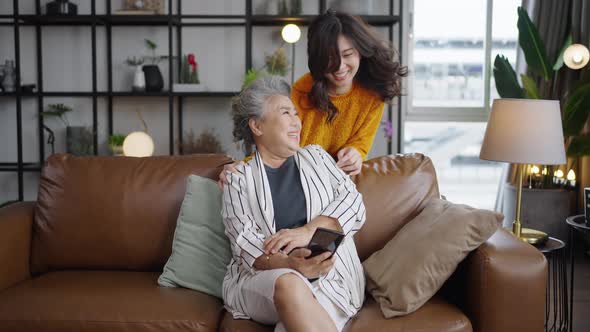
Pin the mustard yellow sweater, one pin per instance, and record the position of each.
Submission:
(355, 125)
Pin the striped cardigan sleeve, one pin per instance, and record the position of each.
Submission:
(240, 227)
(347, 207)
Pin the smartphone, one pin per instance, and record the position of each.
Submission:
(324, 240)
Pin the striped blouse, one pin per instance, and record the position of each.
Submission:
(249, 219)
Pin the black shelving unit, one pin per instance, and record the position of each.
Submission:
(174, 21)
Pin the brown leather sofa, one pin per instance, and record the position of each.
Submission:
(86, 255)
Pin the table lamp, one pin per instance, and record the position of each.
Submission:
(524, 131)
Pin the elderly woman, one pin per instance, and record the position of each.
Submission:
(272, 206)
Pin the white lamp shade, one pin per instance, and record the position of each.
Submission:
(524, 131)
(138, 144)
(291, 33)
(576, 56)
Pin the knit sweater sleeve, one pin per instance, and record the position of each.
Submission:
(362, 139)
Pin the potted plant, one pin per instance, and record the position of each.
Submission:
(139, 76)
(548, 197)
(116, 144)
(153, 77)
(79, 139)
(274, 64)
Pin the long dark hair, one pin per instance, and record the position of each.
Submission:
(377, 72)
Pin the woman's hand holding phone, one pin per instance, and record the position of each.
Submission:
(311, 267)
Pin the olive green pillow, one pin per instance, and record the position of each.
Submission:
(417, 261)
(200, 250)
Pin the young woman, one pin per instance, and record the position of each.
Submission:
(341, 100)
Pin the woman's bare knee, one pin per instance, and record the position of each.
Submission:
(290, 289)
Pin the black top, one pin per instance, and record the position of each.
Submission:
(288, 199)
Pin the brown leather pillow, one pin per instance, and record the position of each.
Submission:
(415, 263)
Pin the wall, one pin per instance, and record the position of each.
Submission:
(67, 66)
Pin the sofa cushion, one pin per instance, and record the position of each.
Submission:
(111, 212)
(435, 316)
(395, 189)
(414, 265)
(201, 250)
(105, 301)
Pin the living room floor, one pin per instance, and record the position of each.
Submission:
(581, 291)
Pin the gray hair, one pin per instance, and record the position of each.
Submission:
(249, 104)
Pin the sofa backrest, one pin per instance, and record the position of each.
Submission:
(111, 212)
(119, 213)
(395, 189)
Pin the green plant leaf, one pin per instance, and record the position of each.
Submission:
(532, 45)
(150, 44)
(116, 139)
(559, 62)
(505, 78)
(577, 109)
(251, 76)
(530, 87)
(579, 146)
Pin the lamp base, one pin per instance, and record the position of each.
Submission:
(533, 236)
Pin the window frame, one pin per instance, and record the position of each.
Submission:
(445, 113)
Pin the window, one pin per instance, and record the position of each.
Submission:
(452, 47)
(449, 49)
(454, 150)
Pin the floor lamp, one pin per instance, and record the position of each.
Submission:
(291, 34)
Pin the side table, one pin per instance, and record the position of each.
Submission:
(556, 304)
(577, 224)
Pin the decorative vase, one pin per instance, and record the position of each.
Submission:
(117, 150)
(138, 80)
(153, 78)
(79, 141)
(9, 77)
(61, 7)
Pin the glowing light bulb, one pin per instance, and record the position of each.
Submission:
(576, 56)
(558, 174)
(535, 170)
(571, 176)
(291, 33)
(544, 172)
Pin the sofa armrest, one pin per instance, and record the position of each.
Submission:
(16, 222)
(505, 285)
